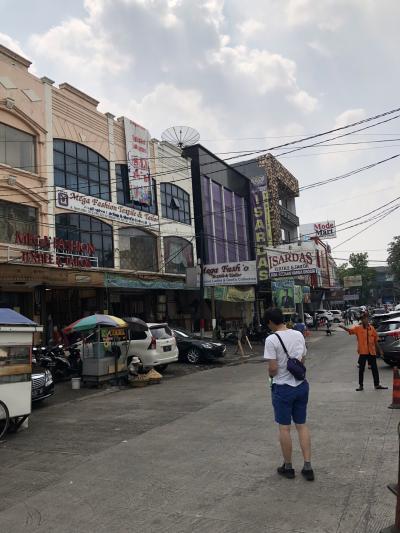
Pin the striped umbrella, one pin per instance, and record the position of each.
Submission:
(93, 321)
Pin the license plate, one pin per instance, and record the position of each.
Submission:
(167, 348)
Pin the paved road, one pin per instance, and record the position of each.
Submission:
(198, 454)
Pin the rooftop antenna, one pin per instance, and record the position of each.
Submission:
(181, 136)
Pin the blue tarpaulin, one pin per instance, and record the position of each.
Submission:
(9, 317)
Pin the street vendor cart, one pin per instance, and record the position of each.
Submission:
(16, 338)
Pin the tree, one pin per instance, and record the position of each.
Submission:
(359, 264)
(394, 257)
(342, 271)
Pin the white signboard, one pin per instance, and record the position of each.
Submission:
(352, 281)
(240, 273)
(137, 154)
(97, 207)
(322, 230)
(291, 263)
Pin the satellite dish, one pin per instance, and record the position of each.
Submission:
(181, 136)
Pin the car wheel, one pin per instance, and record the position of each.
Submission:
(161, 368)
(389, 362)
(193, 356)
(4, 419)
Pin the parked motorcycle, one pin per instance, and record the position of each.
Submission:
(54, 359)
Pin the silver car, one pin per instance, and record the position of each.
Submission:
(389, 340)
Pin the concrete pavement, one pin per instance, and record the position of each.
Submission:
(199, 454)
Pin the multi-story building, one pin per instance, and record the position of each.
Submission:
(73, 239)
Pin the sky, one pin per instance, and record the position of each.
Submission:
(248, 76)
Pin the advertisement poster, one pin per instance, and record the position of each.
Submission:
(296, 262)
(352, 281)
(306, 295)
(262, 224)
(240, 273)
(322, 230)
(283, 295)
(298, 294)
(137, 154)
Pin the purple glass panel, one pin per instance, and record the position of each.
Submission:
(242, 230)
(230, 226)
(207, 221)
(219, 222)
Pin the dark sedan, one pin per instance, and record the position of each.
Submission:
(193, 349)
(42, 383)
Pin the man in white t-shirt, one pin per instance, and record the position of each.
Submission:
(289, 395)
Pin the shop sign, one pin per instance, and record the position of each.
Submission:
(32, 275)
(122, 282)
(352, 281)
(262, 224)
(298, 294)
(96, 207)
(298, 262)
(231, 294)
(137, 154)
(351, 297)
(322, 230)
(283, 295)
(56, 251)
(240, 273)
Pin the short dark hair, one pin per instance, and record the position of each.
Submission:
(275, 315)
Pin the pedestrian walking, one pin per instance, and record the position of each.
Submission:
(289, 393)
(300, 326)
(367, 341)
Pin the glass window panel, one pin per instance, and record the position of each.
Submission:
(85, 223)
(83, 185)
(104, 177)
(70, 164)
(120, 197)
(82, 169)
(59, 177)
(93, 157)
(104, 192)
(19, 149)
(94, 173)
(94, 189)
(71, 182)
(59, 160)
(103, 164)
(96, 225)
(16, 217)
(81, 152)
(85, 236)
(70, 148)
(73, 221)
(58, 144)
(106, 229)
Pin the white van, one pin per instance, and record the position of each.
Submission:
(155, 347)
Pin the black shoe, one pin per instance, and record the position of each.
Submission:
(286, 472)
(308, 474)
(360, 388)
(379, 387)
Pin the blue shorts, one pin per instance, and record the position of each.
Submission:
(290, 403)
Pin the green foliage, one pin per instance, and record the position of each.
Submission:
(342, 271)
(394, 257)
(359, 267)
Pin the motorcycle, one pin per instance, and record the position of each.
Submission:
(53, 359)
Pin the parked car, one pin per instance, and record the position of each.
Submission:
(378, 319)
(42, 383)
(156, 346)
(193, 349)
(389, 340)
(337, 315)
(324, 314)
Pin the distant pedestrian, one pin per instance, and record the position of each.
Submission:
(328, 328)
(289, 395)
(300, 326)
(367, 340)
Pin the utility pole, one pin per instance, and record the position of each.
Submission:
(202, 284)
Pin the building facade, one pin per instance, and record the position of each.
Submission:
(72, 239)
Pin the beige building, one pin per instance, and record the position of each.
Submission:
(72, 239)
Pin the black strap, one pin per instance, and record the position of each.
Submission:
(283, 346)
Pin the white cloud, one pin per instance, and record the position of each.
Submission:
(12, 44)
(265, 70)
(320, 48)
(303, 101)
(323, 14)
(349, 116)
(250, 27)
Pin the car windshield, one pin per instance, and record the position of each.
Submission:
(161, 332)
(389, 326)
(182, 333)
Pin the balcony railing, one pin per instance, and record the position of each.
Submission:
(288, 216)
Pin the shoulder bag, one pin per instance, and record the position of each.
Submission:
(294, 366)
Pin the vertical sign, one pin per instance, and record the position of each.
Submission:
(262, 224)
(283, 295)
(137, 154)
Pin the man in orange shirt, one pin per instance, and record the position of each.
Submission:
(367, 340)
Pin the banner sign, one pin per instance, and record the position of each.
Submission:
(231, 294)
(283, 295)
(97, 207)
(121, 282)
(352, 281)
(262, 224)
(291, 263)
(306, 295)
(243, 273)
(322, 230)
(351, 297)
(137, 154)
(298, 294)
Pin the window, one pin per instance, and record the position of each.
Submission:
(178, 254)
(16, 217)
(123, 194)
(81, 169)
(175, 203)
(17, 148)
(137, 250)
(88, 229)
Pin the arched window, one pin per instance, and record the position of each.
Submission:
(178, 254)
(175, 203)
(81, 169)
(124, 195)
(84, 228)
(137, 250)
(17, 148)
